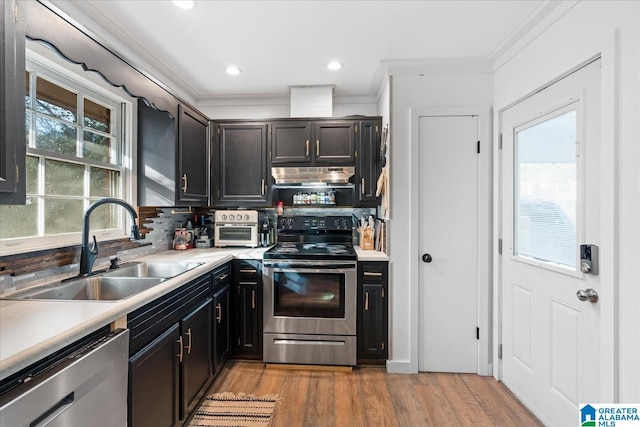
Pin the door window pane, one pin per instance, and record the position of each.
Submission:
(546, 190)
(63, 178)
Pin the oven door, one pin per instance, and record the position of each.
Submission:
(310, 297)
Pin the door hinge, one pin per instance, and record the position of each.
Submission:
(499, 246)
(478, 149)
(500, 141)
(477, 333)
(500, 351)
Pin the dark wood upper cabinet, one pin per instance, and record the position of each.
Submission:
(335, 142)
(290, 142)
(12, 111)
(368, 164)
(240, 165)
(193, 157)
(311, 143)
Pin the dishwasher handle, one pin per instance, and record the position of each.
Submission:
(54, 411)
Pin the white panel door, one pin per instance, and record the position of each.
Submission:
(448, 243)
(551, 203)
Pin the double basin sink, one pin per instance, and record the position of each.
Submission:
(112, 285)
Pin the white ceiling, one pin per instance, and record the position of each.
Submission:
(278, 44)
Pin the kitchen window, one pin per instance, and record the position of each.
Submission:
(78, 151)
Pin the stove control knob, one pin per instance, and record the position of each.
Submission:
(223, 217)
(247, 217)
(232, 217)
(290, 222)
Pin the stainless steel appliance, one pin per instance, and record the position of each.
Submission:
(236, 228)
(310, 292)
(82, 386)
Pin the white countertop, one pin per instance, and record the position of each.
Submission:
(31, 330)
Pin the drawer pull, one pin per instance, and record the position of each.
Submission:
(366, 301)
(252, 271)
(181, 348)
(219, 314)
(222, 277)
(248, 283)
(188, 333)
(371, 273)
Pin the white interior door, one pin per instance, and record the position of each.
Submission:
(551, 204)
(448, 222)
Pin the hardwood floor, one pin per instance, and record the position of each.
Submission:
(369, 396)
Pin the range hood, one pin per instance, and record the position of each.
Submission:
(312, 175)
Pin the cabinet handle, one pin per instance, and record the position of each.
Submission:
(362, 186)
(317, 148)
(307, 148)
(188, 333)
(181, 348)
(249, 271)
(366, 301)
(222, 277)
(184, 185)
(263, 187)
(371, 273)
(253, 299)
(219, 315)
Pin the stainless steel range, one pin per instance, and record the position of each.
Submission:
(310, 292)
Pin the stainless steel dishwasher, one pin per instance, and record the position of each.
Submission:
(86, 386)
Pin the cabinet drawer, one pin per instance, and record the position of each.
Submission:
(248, 270)
(373, 271)
(221, 276)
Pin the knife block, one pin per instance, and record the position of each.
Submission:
(366, 239)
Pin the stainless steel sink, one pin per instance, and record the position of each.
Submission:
(113, 285)
(152, 269)
(95, 288)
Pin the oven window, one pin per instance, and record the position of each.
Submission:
(309, 294)
(238, 234)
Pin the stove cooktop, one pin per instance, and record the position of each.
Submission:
(311, 251)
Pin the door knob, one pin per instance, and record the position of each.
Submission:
(588, 295)
(426, 258)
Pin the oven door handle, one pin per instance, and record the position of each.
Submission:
(292, 268)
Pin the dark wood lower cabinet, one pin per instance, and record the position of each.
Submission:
(195, 356)
(373, 316)
(221, 326)
(247, 306)
(154, 382)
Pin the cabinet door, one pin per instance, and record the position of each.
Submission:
(221, 325)
(196, 366)
(193, 153)
(156, 157)
(372, 310)
(367, 163)
(335, 142)
(12, 111)
(153, 382)
(243, 178)
(249, 333)
(290, 142)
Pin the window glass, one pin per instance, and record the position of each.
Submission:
(32, 175)
(27, 97)
(63, 215)
(63, 178)
(546, 190)
(19, 221)
(106, 217)
(97, 147)
(97, 116)
(55, 136)
(104, 183)
(56, 101)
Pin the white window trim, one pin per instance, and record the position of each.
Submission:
(43, 58)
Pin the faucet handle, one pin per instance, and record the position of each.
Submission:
(94, 247)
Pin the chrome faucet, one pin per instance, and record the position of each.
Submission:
(88, 255)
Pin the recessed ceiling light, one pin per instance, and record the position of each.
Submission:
(234, 71)
(334, 65)
(185, 4)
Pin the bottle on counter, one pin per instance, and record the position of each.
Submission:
(280, 208)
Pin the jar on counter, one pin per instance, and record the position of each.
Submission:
(280, 208)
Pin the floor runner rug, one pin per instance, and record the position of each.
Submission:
(235, 409)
